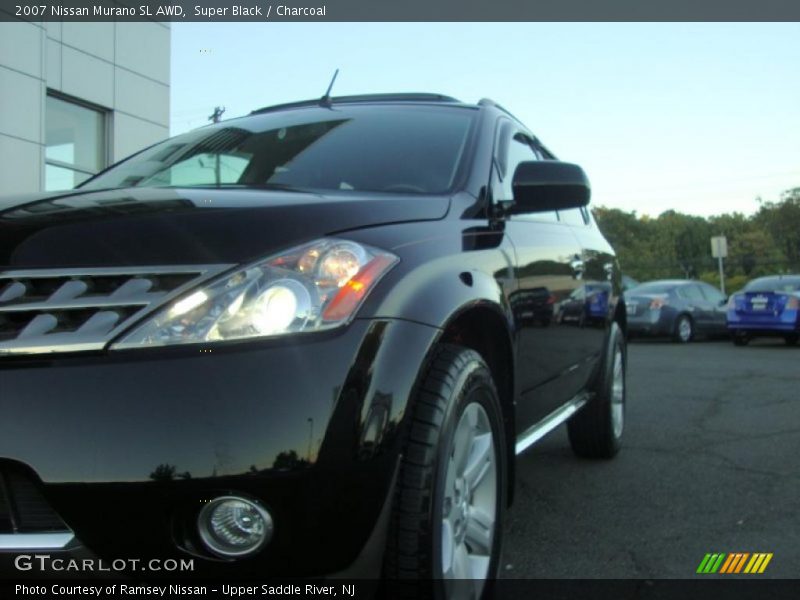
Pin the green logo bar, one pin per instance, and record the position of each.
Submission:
(716, 566)
(711, 563)
(703, 563)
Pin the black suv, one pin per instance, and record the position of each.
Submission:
(306, 342)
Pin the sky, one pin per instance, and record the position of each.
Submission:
(702, 118)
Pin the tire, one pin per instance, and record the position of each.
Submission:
(684, 329)
(740, 338)
(428, 551)
(791, 339)
(596, 430)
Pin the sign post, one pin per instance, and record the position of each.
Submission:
(719, 250)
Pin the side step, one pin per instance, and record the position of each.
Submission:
(536, 432)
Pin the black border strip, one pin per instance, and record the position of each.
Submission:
(262, 11)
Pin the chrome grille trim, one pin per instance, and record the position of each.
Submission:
(75, 303)
(35, 541)
(45, 311)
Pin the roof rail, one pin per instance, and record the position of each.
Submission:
(500, 107)
(412, 97)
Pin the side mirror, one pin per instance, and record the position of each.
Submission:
(543, 186)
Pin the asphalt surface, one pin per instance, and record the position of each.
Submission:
(710, 463)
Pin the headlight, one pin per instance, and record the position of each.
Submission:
(312, 287)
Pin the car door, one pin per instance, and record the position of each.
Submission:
(548, 265)
(697, 305)
(598, 272)
(717, 308)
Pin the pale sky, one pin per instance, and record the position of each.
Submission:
(699, 117)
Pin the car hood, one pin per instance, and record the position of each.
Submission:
(149, 226)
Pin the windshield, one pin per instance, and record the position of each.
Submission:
(404, 149)
(774, 284)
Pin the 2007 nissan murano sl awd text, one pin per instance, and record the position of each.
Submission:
(306, 342)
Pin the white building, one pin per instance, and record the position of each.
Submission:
(77, 97)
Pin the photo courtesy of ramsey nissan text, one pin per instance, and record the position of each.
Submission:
(355, 302)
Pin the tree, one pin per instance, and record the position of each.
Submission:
(782, 220)
(755, 253)
(675, 244)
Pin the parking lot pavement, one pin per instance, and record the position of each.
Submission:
(710, 463)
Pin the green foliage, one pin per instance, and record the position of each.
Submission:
(678, 245)
(782, 221)
(732, 284)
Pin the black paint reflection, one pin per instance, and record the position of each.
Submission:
(586, 306)
(533, 306)
(482, 238)
(167, 472)
(548, 272)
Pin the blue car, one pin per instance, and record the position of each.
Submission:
(676, 308)
(588, 303)
(767, 306)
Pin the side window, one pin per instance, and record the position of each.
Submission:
(517, 150)
(513, 148)
(573, 216)
(712, 294)
(690, 292)
(578, 294)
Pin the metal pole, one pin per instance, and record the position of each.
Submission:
(721, 276)
(310, 437)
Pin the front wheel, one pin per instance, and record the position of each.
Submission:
(446, 529)
(596, 430)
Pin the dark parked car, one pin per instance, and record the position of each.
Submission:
(680, 309)
(284, 344)
(587, 304)
(533, 305)
(767, 306)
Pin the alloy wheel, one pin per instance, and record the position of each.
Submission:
(618, 394)
(469, 505)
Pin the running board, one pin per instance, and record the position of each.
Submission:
(550, 422)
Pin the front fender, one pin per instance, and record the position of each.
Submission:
(442, 275)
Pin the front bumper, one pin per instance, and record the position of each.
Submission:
(126, 447)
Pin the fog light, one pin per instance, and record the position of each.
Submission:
(233, 527)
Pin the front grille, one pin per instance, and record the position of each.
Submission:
(70, 310)
(23, 509)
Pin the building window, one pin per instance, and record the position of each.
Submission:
(76, 143)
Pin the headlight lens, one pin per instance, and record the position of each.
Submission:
(312, 287)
